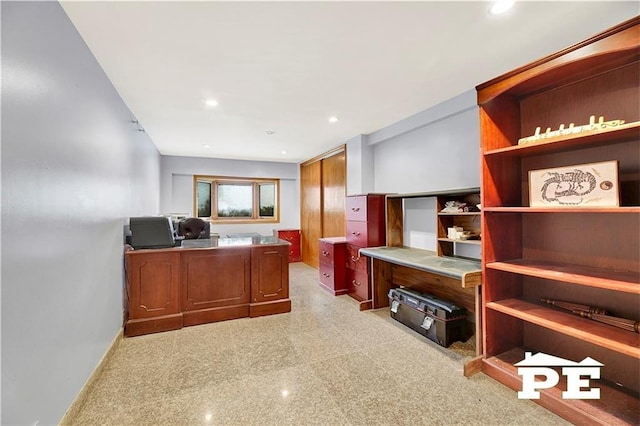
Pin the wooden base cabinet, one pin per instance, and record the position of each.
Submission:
(171, 288)
(270, 281)
(292, 236)
(216, 285)
(153, 296)
(585, 255)
(366, 227)
(332, 265)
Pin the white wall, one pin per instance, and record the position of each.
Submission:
(176, 188)
(73, 170)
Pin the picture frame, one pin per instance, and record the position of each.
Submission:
(581, 185)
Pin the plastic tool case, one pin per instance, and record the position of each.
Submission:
(436, 319)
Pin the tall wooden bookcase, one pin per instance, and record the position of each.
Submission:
(589, 256)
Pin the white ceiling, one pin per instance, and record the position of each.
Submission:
(288, 66)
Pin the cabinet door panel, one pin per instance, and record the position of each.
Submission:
(215, 278)
(310, 211)
(334, 173)
(270, 272)
(153, 282)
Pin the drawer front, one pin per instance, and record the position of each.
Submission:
(294, 253)
(357, 233)
(332, 278)
(356, 207)
(326, 253)
(355, 261)
(290, 236)
(358, 284)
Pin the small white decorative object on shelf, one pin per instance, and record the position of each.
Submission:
(562, 131)
(582, 185)
(454, 233)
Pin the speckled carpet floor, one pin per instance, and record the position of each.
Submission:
(324, 363)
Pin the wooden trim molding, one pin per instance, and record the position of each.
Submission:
(334, 151)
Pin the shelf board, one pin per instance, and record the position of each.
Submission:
(449, 240)
(581, 210)
(629, 131)
(448, 193)
(615, 407)
(625, 281)
(606, 336)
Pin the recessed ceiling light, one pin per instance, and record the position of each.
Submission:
(206, 146)
(283, 152)
(501, 6)
(211, 103)
(333, 119)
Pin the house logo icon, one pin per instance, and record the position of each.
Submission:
(577, 374)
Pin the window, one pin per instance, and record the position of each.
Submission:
(233, 200)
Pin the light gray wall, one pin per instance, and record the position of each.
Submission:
(360, 177)
(176, 188)
(437, 149)
(73, 170)
(433, 150)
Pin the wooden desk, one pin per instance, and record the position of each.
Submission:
(205, 281)
(449, 278)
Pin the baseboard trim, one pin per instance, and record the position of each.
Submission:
(78, 402)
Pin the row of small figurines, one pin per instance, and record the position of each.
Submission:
(562, 131)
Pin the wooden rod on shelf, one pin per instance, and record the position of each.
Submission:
(623, 323)
(595, 314)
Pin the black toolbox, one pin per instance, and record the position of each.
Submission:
(436, 319)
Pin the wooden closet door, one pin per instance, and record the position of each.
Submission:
(333, 192)
(310, 211)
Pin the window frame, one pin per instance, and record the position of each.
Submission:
(214, 181)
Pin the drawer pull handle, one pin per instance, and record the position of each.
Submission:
(355, 259)
(355, 233)
(356, 283)
(326, 275)
(325, 253)
(355, 209)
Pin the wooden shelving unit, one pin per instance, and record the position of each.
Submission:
(467, 220)
(613, 408)
(589, 256)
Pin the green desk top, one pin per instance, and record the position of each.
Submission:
(468, 271)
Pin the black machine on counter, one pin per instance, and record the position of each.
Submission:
(436, 319)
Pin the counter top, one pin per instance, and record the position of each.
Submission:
(468, 271)
(216, 242)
